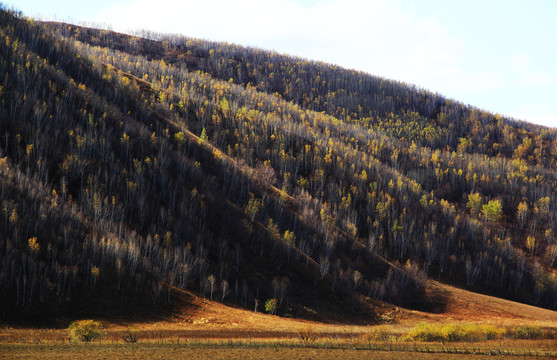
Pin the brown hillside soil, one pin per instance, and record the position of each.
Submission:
(468, 306)
(464, 306)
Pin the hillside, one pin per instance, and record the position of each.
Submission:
(132, 165)
(199, 317)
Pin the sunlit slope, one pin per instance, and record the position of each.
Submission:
(130, 166)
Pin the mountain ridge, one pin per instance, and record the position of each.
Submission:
(179, 171)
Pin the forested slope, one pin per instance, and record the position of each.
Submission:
(130, 165)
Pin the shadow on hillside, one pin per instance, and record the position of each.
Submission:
(122, 310)
(435, 300)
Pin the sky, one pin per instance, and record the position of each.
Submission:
(499, 56)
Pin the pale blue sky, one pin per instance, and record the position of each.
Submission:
(500, 56)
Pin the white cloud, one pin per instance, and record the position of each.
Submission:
(549, 42)
(521, 62)
(526, 73)
(538, 78)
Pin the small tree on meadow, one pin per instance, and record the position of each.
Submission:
(271, 306)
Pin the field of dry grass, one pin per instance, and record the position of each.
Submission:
(208, 329)
(176, 351)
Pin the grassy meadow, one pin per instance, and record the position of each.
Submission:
(279, 349)
(473, 325)
(422, 341)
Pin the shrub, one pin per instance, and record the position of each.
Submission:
(526, 332)
(307, 334)
(493, 332)
(549, 333)
(426, 332)
(454, 332)
(378, 333)
(130, 336)
(85, 330)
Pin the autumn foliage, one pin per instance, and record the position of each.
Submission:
(132, 164)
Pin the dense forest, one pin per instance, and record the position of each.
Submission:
(131, 165)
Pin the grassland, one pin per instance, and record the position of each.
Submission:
(206, 329)
(178, 351)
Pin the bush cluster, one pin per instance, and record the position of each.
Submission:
(455, 332)
(378, 334)
(473, 332)
(307, 334)
(130, 336)
(86, 330)
(526, 332)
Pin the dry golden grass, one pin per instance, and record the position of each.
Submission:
(472, 307)
(181, 351)
(207, 329)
